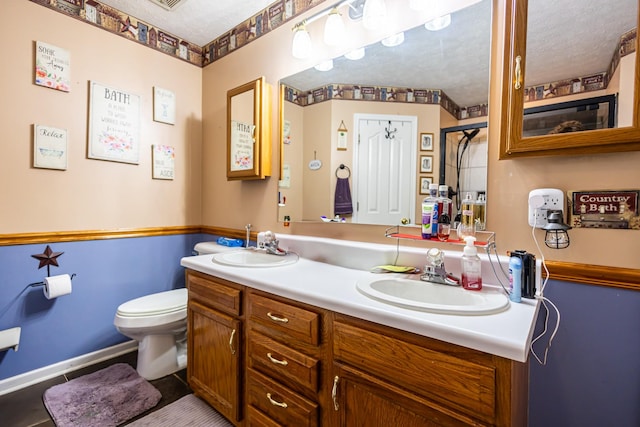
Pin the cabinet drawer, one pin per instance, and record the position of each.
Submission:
(256, 418)
(214, 294)
(465, 386)
(281, 362)
(279, 403)
(301, 324)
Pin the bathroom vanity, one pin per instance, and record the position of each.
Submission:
(298, 345)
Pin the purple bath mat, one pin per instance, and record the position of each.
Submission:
(104, 398)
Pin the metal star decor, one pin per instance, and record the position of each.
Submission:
(48, 257)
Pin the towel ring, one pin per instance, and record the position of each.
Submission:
(342, 167)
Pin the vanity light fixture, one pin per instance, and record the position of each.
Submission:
(374, 14)
(393, 40)
(334, 31)
(301, 46)
(324, 65)
(418, 4)
(556, 236)
(355, 54)
(438, 23)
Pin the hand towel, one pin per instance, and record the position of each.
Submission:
(343, 204)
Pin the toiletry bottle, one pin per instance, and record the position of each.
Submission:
(467, 225)
(479, 212)
(444, 220)
(515, 279)
(471, 266)
(430, 213)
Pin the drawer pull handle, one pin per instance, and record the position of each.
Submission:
(276, 403)
(279, 362)
(334, 393)
(277, 319)
(233, 334)
(518, 83)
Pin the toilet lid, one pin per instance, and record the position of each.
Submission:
(154, 304)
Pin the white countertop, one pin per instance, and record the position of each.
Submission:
(507, 334)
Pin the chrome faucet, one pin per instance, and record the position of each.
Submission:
(248, 228)
(271, 244)
(435, 272)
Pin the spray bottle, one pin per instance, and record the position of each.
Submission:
(471, 266)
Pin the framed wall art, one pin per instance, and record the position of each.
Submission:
(426, 164)
(49, 147)
(426, 142)
(53, 67)
(425, 181)
(114, 124)
(164, 106)
(163, 157)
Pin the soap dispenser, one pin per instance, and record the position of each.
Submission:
(471, 266)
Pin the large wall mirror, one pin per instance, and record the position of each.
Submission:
(249, 131)
(377, 122)
(570, 51)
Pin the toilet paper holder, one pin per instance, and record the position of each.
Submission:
(36, 284)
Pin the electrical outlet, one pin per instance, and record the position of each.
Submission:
(541, 201)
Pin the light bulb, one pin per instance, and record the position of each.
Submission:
(301, 45)
(439, 23)
(374, 14)
(355, 54)
(334, 32)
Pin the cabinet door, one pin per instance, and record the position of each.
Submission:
(361, 400)
(215, 350)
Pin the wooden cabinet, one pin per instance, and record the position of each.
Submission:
(215, 343)
(284, 361)
(383, 374)
(262, 360)
(518, 32)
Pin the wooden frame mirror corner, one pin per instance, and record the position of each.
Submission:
(545, 37)
(249, 145)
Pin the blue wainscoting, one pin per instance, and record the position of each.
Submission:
(108, 273)
(592, 375)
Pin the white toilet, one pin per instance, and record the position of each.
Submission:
(159, 323)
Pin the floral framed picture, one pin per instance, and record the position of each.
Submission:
(425, 181)
(426, 142)
(426, 164)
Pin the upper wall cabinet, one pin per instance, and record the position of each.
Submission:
(249, 131)
(551, 76)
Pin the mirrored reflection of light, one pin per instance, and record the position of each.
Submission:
(374, 14)
(393, 40)
(439, 23)
(324, 65)
(334, 32)
(355, 54)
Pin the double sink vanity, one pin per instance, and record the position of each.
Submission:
(314, 338)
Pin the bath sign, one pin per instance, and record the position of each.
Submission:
(242, 144)
(605, 209)
(114, 124)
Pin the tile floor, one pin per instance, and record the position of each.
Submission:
(24, 408)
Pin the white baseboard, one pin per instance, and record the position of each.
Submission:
(26, 379)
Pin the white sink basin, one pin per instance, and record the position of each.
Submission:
(433, 297)
(254, 258)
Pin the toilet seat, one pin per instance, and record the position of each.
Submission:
(158, 304)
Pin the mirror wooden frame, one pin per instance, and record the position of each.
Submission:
(261, 115)
(512, 142)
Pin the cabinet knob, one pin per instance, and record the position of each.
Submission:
(334, 393)
(277, 318)
(276, 361)
(275, 402)
(233, 334)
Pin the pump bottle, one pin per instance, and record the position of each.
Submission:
(471, 266)
(444, 210)
(480, 212)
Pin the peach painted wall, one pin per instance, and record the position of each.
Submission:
(92, 194)
(234, 204)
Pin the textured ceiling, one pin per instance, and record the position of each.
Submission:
(564, 42)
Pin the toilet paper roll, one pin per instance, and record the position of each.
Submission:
(56, 286)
